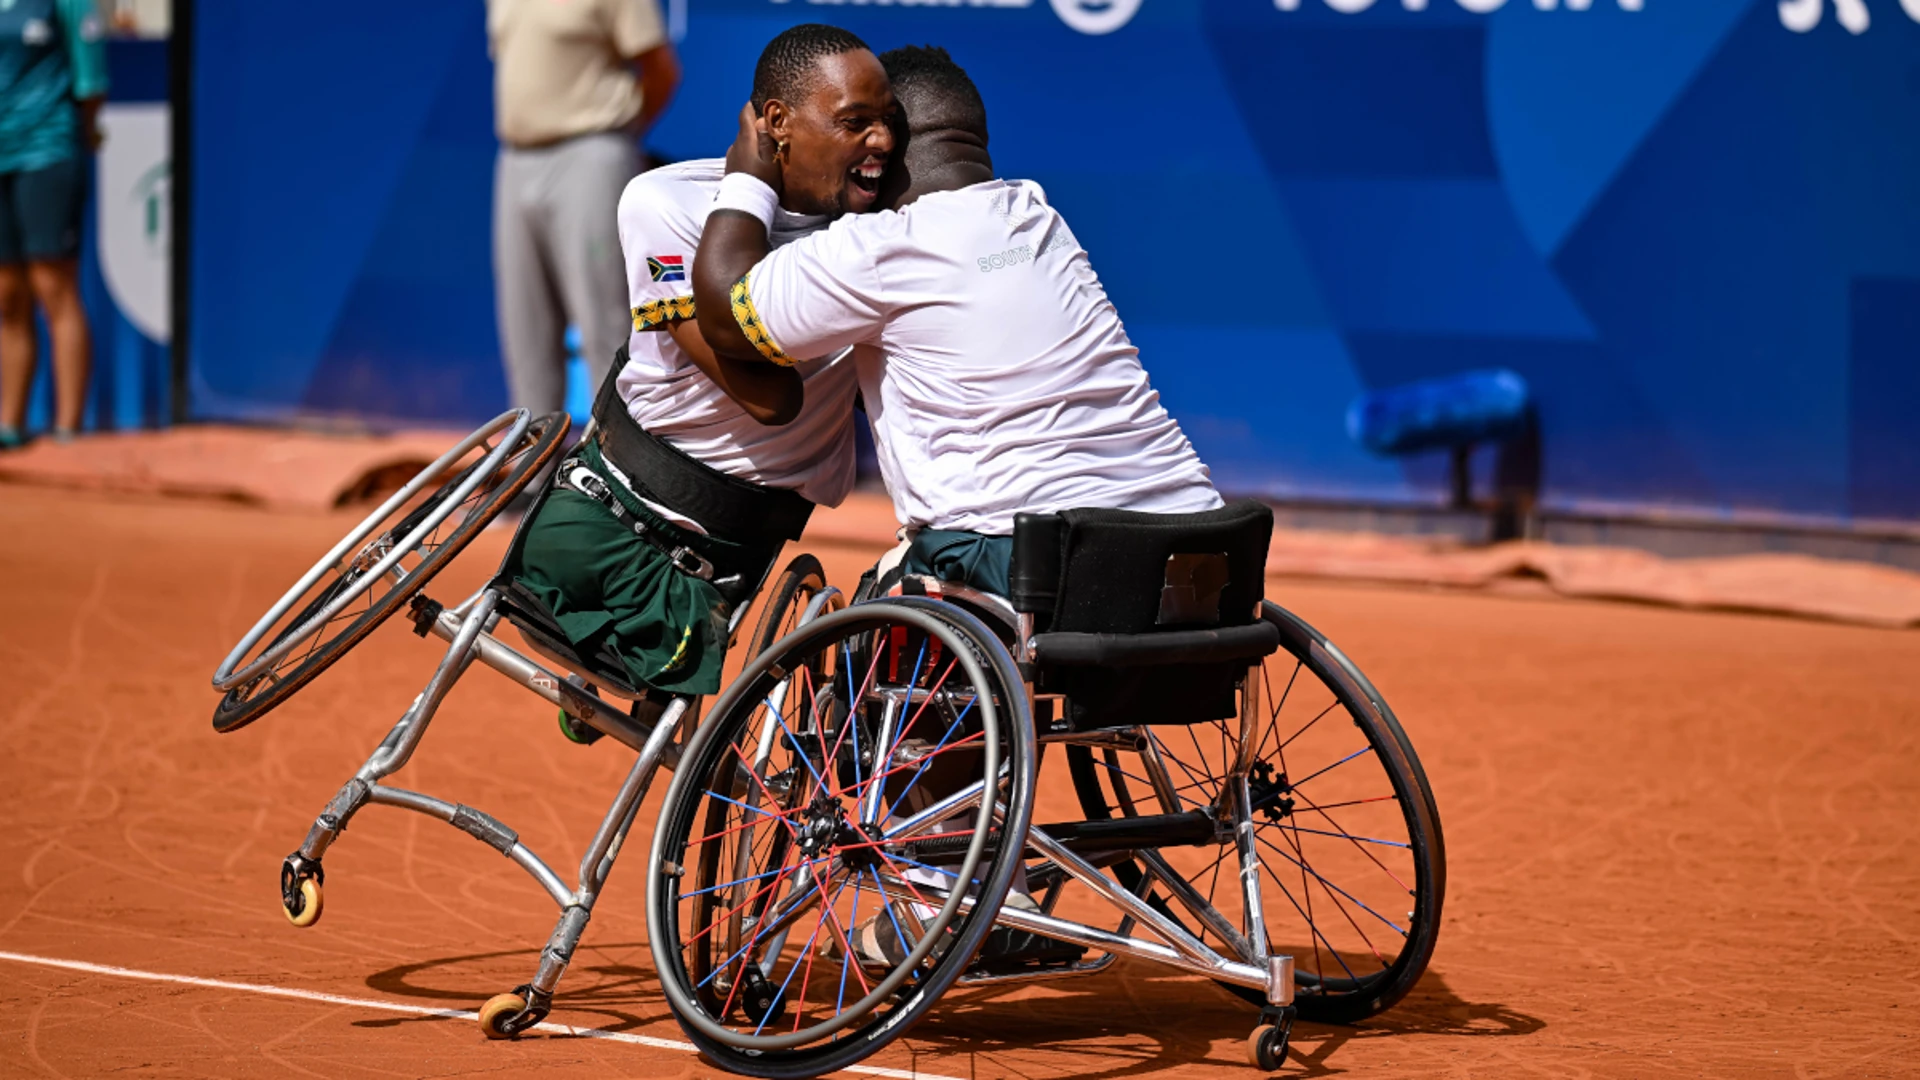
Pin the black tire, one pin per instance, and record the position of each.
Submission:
(1329, 988)
(249, 702)
(699, 974)
(797, 585)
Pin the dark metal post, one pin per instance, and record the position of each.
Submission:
(1460, 476)
(180, 99)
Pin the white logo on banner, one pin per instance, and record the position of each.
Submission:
(1478, 7)
(1801, 16)
(1086, 16)
(1100, 16)
(135, 199)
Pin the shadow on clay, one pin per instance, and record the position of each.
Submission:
(1132, 1021)
(595, 985)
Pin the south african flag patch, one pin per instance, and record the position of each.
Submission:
(667, 267)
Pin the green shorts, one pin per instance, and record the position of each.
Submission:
(606, 586)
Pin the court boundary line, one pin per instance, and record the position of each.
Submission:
(400, 1007)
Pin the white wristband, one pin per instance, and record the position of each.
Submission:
(747, 194)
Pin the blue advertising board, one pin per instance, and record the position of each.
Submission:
(1691, 225)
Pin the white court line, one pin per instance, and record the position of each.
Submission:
(394, 1006)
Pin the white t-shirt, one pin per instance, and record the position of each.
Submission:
(661, 215)
(995, 370)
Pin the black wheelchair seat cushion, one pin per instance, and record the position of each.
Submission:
(1146, 618)
(1114, 567)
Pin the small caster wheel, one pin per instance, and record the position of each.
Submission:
(762, 1001)
(300, 880)
(1267, 1047)
(499, 1009)
(304, 903)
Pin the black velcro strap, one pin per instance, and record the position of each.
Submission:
(1171, 647)
(728, 507)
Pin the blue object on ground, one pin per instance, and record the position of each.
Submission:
(1440, 414)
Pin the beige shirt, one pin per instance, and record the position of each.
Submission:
(561, 66)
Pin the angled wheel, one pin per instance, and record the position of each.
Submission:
(1354, 866)
(800, 928)
(382, 563)
(786, 602)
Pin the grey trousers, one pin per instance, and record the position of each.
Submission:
(556, 260)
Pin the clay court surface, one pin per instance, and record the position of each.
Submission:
(1680, 844)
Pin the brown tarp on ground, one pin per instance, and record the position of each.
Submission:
(275, 468)
(299, 470)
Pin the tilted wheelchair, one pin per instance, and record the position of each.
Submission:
(850, 832)
(380, 569)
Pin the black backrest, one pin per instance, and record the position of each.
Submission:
(1122, 572)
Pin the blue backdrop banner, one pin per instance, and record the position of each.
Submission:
(1690, 225)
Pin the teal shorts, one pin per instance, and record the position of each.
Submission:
(965, 558)
(40, 212)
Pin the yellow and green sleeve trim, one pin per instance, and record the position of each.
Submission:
(655, 314)
(756, 331)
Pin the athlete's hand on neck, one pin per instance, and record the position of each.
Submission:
(753, 151)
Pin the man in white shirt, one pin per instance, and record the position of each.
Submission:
(996, 372)
(666, 519)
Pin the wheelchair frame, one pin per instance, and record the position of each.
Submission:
(468, 630)
(1254, 969)
(1077, 850)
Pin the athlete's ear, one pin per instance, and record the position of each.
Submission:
(778, 119)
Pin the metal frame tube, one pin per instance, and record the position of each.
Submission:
(1176, 936)
(601, 715)
(597, 862)
(1189, 897)
(1206, 962)
(413, 727)
(444, 810)
(1244, 842)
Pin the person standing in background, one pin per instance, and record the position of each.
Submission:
(53, 76)
(576, 83)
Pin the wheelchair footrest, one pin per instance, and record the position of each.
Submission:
(1008, 951)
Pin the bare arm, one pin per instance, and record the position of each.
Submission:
(730, 245)
(771, 394)
(658, 72)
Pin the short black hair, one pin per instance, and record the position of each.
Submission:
(786, 67)
(934, 91)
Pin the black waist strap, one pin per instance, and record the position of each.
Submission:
(731, 508)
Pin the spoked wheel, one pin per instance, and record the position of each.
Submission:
(1353, 864)
(788, 600)
(382, 563)
(818, 855)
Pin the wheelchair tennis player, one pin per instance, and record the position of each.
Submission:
(668, 516)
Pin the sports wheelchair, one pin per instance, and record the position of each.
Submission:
(380, 568)
(850, 832)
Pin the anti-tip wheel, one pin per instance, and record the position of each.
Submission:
(497, 1011)
(1267, 1048)
(305, 910)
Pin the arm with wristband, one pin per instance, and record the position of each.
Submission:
(736, 238)
(812, 297)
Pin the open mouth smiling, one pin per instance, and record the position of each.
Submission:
(865, 177)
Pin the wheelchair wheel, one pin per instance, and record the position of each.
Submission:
(786, 602)
(382, 563)
(816, 854)
(1348, 833)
